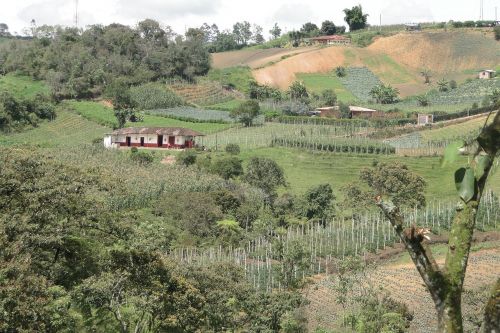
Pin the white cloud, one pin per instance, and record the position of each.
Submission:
(188, 13)
(294, 14)
(165, 9)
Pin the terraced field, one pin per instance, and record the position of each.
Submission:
(401, 280)
(396, 60)
(68, 129)
(101, 114)
(204, 93)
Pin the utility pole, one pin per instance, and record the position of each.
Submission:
(76, 13)
(380, 22)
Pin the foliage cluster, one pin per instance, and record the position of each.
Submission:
(17, 113)
(104, 54)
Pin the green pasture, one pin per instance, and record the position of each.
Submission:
(304, 169)
(104, 115)
(225, 106)
(22, 86)
(317, 82)
(388, 70)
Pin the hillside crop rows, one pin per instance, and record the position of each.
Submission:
(203, 93)
(193, 114)
(262, 136)
(360, 81)
(325, 242)
(68, 129)
(403, 283)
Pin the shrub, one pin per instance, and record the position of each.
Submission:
(141, 157)
(246, 112)
(228, 167)
(329, 97)
(232, 149)
(154, 96)
(186, 158)
(423, 100)
(453, 84)
(340, 71)
(497, 32)
(298, 90)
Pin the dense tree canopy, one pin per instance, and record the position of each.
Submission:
(355, 18)
(81, 63)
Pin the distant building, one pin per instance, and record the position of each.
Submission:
(151, 137)
(331, 40)
(356, 112)
(424, 119)
(413, 27)
(487, 74)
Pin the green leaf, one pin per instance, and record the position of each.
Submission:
(451, 152)
(465, 183)
(482, 162)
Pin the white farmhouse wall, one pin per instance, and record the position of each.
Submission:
(180, 140)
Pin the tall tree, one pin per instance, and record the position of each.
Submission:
(275, 31)
(445, 284)
(257, 36)
(328, 28)
(355, 18)
(309, 29)
(246, 112)
(242, 32)
(4, 29)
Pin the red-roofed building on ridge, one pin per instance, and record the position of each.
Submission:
(331, 40)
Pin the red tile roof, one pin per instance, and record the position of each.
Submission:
(332, 37)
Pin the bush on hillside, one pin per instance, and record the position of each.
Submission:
(186, 158)
(154, 96)
(497, 33)
(233, 149)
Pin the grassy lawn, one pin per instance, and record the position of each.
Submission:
(22, 86)
(68, 129)
(104, 115)
(318, 82)
(225, 106)
(305, 169)
(239, 77)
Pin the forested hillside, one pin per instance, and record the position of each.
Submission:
(81, 64)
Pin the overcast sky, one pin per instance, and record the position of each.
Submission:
(180, 14)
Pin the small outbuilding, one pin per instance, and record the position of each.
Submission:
(331, 40)
(424, 119)
(356, 112)
(487, 74)
(152, 137)
(413, 27)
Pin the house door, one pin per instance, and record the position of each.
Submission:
(171, 140)
(128, 140)
(142, 141)
(160, 140)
